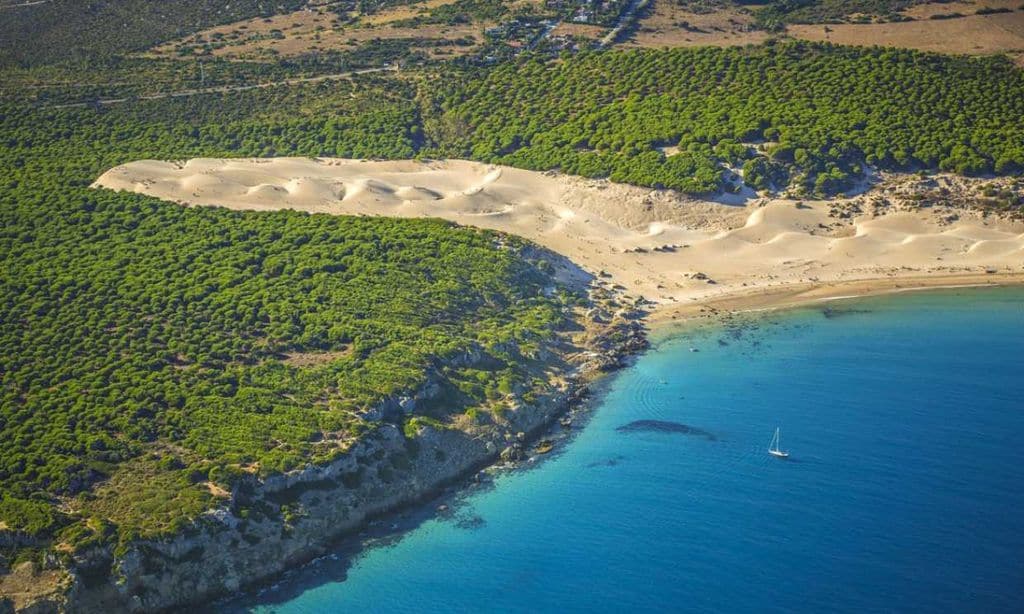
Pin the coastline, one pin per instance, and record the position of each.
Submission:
(434, 483)
(661, 323)
(686, 263)
(383, 476)
(730, 251)
(382, 530)
(409, 517)
(714, 504)
(672, 319)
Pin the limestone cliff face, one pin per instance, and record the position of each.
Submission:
(383, 472)
(282, 521)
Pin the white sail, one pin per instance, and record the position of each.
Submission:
(773, 447)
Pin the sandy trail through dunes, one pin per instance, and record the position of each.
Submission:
(672, 249)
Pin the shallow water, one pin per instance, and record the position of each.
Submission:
(905, 420)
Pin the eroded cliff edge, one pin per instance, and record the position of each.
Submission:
(269, 525)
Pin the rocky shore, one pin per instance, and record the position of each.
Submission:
(268, 526)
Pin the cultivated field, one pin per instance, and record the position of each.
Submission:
(970, 33)
(668, 25)
(947, 27)
(321, 29)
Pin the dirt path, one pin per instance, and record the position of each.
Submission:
(225, 88)
(23, 4)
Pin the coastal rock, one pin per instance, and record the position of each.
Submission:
(513, 453)
(599, 316)
(250, 538)
(373, 414)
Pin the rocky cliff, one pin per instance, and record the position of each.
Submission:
(283, 521)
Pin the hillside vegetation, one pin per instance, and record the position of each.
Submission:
(74, 30)
(812, 117)
(152, 349)
(802, 114)
(773, 14)
(148, 351)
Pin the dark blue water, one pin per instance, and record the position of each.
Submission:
(905, 491)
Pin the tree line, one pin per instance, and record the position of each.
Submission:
(811, 116)
(144, 347)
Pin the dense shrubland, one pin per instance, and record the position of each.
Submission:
(149, 348)
(144, 348)
(75, 30)
(774, 14)
(810, 115)
(139, 77)
(460, 11)
(374, 117)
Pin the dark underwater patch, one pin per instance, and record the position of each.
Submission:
(831, 313)
(663, 426)
(610, 462)
(470, 522)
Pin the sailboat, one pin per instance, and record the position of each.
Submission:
(773, 447)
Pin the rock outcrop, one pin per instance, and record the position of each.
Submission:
(273, 524)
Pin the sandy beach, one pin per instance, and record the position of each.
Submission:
(689, 257)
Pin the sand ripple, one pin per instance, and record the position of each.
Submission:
(668, 247)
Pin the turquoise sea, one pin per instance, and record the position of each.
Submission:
(904, 416)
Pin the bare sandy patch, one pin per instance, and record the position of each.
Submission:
(972, 34)
(670, 248)
(968, 7)
(216, 490)
(407, 11)
(668, 25)
(313, 359)
(29, 587)
(581, 30)
(319, 29)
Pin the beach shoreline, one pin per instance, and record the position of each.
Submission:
(684, 261)
(902, 365)
(663, 323)
(680, 253)
(669, 320)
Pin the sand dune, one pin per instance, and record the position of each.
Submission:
(672, 249)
